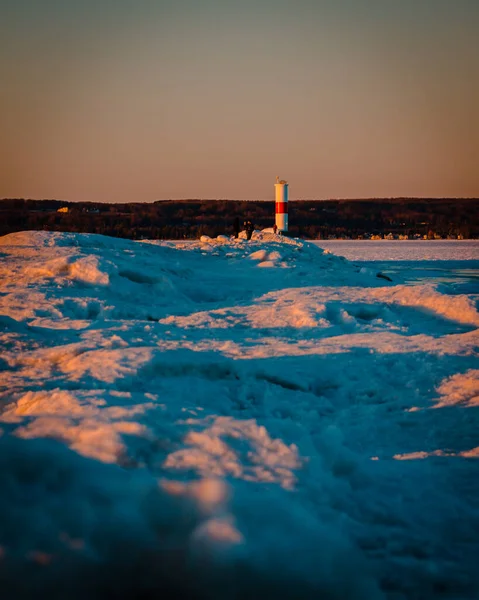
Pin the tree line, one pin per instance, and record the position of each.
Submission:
(189, 219)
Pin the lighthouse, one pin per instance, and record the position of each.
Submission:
(281, 200)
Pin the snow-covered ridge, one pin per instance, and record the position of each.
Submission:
(205, 414)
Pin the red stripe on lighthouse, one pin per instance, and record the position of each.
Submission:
(281, 208)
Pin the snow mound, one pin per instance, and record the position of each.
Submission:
(34, 239)
(86, 269)
(82, 424)
(51, 239)
(210, 456)
(460, 308)
(177, 422)
(266, 258)
(460, 389)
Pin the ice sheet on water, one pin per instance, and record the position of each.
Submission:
(403, 250)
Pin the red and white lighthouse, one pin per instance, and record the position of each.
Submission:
(281, 198)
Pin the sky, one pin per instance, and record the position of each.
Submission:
(140, 100)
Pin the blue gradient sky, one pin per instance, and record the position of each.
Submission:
(138, 100)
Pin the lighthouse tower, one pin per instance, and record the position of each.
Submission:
(281, 198)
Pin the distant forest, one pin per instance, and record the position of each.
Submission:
(310, 219)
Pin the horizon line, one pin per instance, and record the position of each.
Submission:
(337, 199)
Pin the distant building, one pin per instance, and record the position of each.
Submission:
(63, 209)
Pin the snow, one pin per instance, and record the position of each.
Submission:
(233, 419)
(462, 388)
(403, 250)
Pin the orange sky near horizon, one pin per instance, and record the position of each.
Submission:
(121, 101)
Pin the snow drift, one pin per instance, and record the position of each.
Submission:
(232, 419)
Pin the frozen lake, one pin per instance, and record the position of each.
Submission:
(385, 250)
(453, 263)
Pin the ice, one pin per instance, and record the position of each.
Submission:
(232, 419)
(403, 250)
